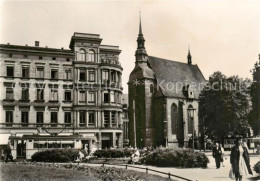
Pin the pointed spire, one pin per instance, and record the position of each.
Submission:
(140, 26)
(140, 39)
(189, 56)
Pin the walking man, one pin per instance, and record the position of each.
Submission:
(217, 154)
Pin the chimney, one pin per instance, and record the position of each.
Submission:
(37, 43)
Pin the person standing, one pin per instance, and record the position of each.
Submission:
(240, 160)
(222, 155)
(217, 154)
(8, 153)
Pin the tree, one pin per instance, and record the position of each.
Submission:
(225, 105)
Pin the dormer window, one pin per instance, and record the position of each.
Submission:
(190, 94)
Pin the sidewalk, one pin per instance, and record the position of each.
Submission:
(208, 174)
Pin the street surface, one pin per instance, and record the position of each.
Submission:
(208, 174)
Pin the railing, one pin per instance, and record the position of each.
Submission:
(56, 126)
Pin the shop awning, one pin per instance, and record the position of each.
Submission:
(4, 139)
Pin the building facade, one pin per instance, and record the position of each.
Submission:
(163, 100)
(125, 119)
(54, 98)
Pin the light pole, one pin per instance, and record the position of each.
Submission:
(191, 111)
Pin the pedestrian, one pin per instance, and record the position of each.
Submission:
(240, 160)
(217, 154)
(8, 153)
(222, 155)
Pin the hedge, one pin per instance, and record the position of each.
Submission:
(56, 155)
(114, 153)
(257, 167)
(175, 157)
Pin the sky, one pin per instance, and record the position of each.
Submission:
(222, 35)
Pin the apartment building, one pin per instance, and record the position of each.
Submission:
(57, 98)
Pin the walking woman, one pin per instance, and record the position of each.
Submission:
(240, 160)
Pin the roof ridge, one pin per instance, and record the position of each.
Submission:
(171, 60)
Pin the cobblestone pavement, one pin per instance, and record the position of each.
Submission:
(208, 174)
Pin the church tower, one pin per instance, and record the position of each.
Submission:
(141, 90)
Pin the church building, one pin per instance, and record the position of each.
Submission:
(163, 100)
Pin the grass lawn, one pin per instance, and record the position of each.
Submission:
(65, 172)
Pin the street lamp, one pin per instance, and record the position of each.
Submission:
(191, 111)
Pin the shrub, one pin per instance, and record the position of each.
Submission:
(114, 153)
(56, 155)
(257, 167)
(169, 157)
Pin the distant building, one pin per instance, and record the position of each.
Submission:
(56, 98)
(163, 100)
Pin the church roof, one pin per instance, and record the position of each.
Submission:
(173, 76)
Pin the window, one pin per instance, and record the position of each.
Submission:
(40, 94)
(67, 95)
(82, 96)
(53, 58)
(10, 55)
(54, 73)
(9, 118)
(39, 118)
(67, 118)
(91, 117)
(151, 88)
(54, 118)
(40, 72)
(68, 59)
(105, 75)
(106, 117)
(25, 56)
(10, 71)
(174, 118)
(91, 75)
(113, 117)
(25, 93)
(112, 96)
(91, 97)
(125, 115)
(68, 74)
(113, 76)
(40, 57)
(82, 75)
(82, 118)
(9, 93)
(106, 98)
(81, 55)
(91, 56)
(54, 95)
(25, 118)
(25, 72)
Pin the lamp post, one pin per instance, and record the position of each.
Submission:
(191, 111)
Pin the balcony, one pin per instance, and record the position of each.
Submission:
(35, 125)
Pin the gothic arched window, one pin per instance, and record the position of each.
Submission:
(190, 119)
(174, 118)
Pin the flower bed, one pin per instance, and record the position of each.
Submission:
(169, 157)
(65, 172)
